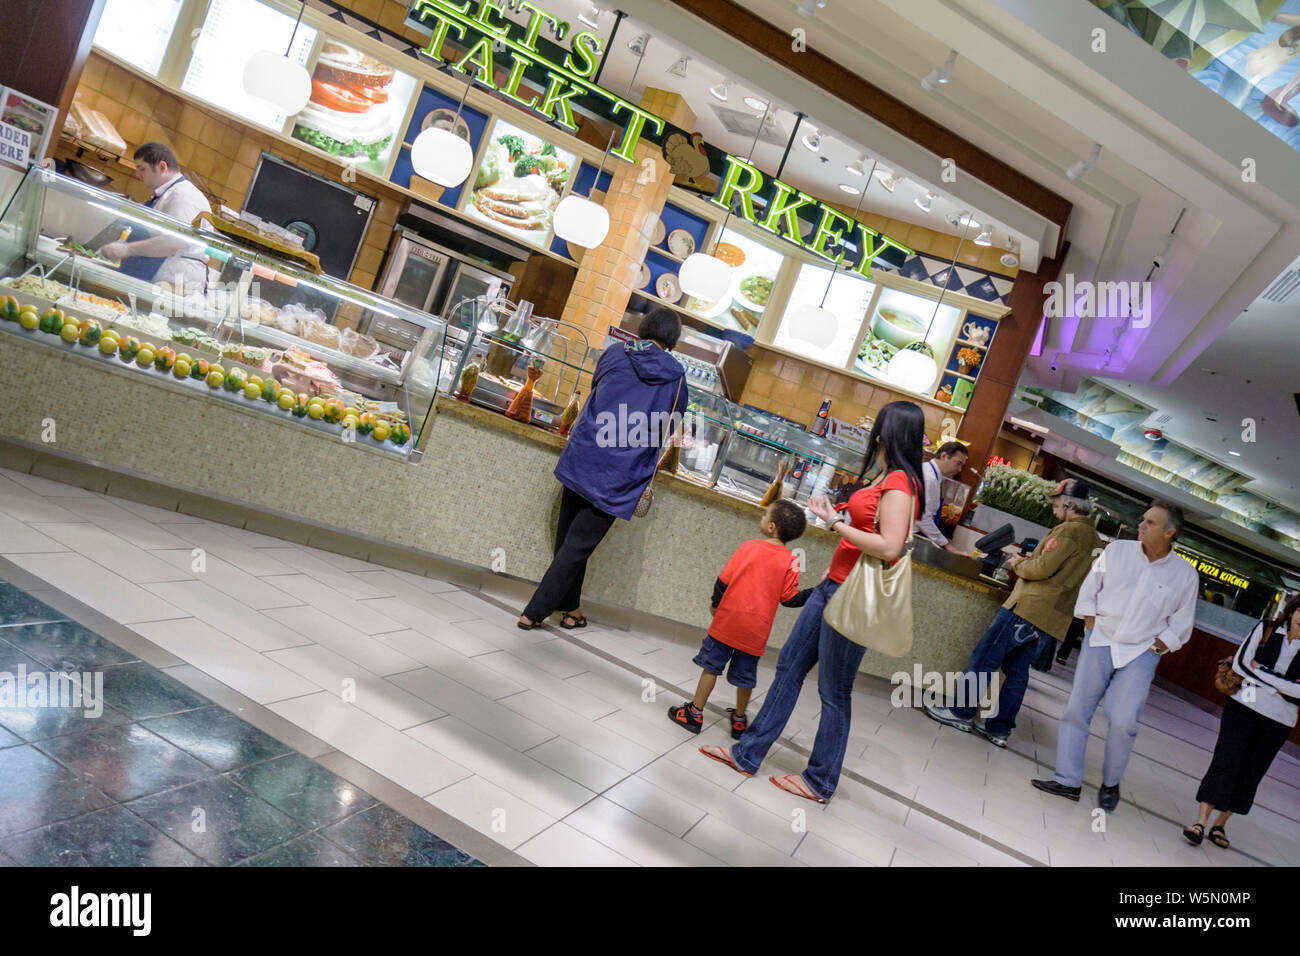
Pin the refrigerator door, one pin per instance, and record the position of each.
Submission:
(472, 281)
(414, 273)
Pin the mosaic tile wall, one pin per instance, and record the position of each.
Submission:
(485, 483)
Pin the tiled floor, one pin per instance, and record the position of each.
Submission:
(543, 747)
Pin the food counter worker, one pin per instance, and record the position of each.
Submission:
(159, 257)
(947, 462)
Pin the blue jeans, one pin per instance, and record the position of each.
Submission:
(1008, 645)
(1047, 648)
(812, 643)
(1125, 691)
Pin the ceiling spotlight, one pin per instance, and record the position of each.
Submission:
(855, 168)
(719, 91)
(959, 220)
(679, 68)
(1011, 258)
(985, 238)
(812, 141)
(888, 180)
(850, 189)
(934, 78)
(810, 7)
(925, 204)
(638, 43)
(1085, 165)
(591, 17)
(754, 103)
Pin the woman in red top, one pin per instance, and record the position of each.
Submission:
(877, 521)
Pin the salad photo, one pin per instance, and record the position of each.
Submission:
(519, 183)
(356, 106)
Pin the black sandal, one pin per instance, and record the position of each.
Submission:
(1219, 838)
(577, 619)
(1195, 833)
(528, 627)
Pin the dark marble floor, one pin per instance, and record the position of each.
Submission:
(162, 776)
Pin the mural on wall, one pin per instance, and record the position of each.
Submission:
(1120, 419)
(1247, 51)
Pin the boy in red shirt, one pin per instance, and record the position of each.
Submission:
(761, 574)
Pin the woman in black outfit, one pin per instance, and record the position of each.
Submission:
(1256, 722)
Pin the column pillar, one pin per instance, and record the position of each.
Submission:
(1003, 363)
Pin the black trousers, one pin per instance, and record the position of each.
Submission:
(581, 527)
(1247, 744)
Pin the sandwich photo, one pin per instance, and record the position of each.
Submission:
(355, 104)
(519, 182)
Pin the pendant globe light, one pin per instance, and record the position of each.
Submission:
(278, 80)
(580, 219)
(439, 154)
(914, 368)
(816, 324)
(705, 276)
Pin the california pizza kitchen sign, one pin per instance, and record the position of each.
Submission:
(494, 44)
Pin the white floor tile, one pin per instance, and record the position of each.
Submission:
(16, 537)
(516, 773)
(458, 667)
(103, 547)
(569, 723)
(323, 628)
(483, 713)
(228, 615)
(562, 845)
(490, 810)
(223, 576)
(375, 695)
(127, 525)
(95, 585)
(224, 658)
(561, 692)
(636, 838)
(658, 806)
(578, 764)
(418, 618)
(735, 847)
(219, 540)
(392, 753)
(367, 619)
(815, 851)
(47, 488)
(152, 514)
(315, 567)
(643, 732)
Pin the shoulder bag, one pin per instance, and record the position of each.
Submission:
(873, 607)
(1226, 680)
(648, 496)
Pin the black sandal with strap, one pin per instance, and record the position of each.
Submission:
(577, 619)
(1195, 833)
(1219, 838)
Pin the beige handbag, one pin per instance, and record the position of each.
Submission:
(873, 607)
(648, 496)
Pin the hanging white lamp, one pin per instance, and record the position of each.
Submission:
(440, 155)
(580, 221)
(814, 324)
(278, 80)
(705, 277)
(912, 371)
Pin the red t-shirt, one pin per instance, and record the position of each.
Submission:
(759, 576)
(862, 515)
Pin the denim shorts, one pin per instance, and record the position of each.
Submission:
(714, 656)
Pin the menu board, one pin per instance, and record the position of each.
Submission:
(28, 126)
(137, 31)
(847, 298)
(234, 30)
(899, 320)
(518, 184)
(356, 108)
(753, 274)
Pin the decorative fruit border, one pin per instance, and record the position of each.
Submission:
(145, 356)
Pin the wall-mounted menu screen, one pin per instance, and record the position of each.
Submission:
(816, 337)
(518, 184)
(234, 30)
(753, 275)
(901, 320)
(137, 31)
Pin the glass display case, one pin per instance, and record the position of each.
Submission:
(331, 354)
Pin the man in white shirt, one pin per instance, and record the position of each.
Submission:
(947, 462)
(165, 258)
(1138, 602)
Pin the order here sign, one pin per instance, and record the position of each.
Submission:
(15, 145)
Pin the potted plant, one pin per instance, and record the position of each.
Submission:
(968, 360)
(1016, 494)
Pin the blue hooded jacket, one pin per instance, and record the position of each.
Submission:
(615, 445)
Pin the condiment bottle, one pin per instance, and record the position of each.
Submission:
(570, 414)
(469, 378)
(521, 406)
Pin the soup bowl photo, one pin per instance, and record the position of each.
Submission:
(896, 327)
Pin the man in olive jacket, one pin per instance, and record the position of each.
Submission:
(1041, 603)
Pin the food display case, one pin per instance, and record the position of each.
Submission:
(328, 353)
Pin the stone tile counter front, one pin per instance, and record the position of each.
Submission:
(483, 496)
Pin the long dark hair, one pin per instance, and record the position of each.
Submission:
(1283, 619)
(900, 427)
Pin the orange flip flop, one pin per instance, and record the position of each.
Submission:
(721, 755)
(793, 783)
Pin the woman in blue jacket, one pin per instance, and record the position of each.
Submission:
(610, 457)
